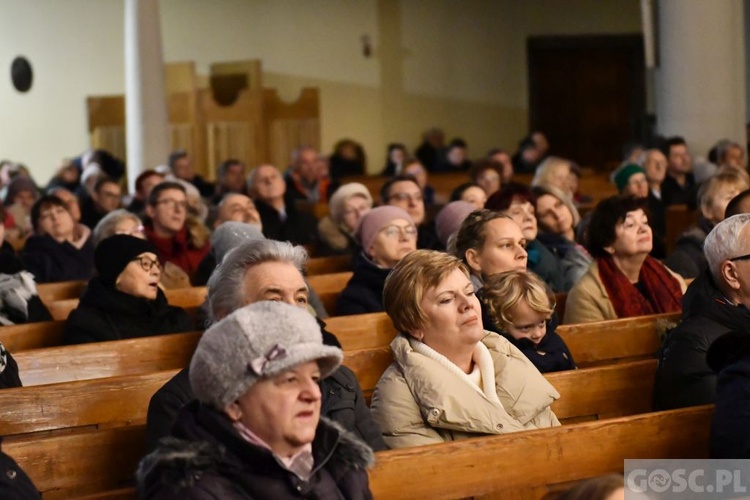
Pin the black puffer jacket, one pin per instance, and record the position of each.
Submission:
(364, 292)
(207, 458)
(14, 483)
(105, 313)
(8, 370)
(729, 436)
(50, 261)
(683, 377)
(688, 259)
(342, 402)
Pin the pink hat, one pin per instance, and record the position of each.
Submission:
(449, 220)
(376, 219)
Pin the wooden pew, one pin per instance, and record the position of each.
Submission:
(328, 265)
(106, 359)
(519, 465)
(328, 287)
(51, 292)
(187, 298)
(527, 464)
(590, 343)
(17, 338)
(98, 403)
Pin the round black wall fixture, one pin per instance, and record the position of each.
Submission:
(21, 74)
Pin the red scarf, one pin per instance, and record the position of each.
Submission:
(664, 291)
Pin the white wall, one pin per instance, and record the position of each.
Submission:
(459, 65)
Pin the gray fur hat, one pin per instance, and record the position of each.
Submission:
(258, 341)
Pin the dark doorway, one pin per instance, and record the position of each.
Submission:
(588, 94)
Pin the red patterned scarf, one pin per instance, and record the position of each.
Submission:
(664, 291)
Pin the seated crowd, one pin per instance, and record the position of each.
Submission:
(469, 279)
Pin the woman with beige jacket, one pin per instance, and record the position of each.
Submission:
(623, 281)
(450, 378)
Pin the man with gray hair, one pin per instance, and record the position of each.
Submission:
(715, 303)
(255, 271)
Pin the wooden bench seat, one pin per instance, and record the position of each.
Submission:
(328, 265)
(17, 338)
(328, 287)
(51, 292)
(519, 465)
(98, 403)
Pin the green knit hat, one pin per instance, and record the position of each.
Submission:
(625, 173)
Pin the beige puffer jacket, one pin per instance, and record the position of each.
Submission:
(419, 401)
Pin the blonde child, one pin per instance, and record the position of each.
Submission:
(521, 308)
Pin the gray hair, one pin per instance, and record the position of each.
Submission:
(106, 227)
(724, 242)
(226, 286)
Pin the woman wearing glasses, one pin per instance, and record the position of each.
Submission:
(386, 234)
(124, 300)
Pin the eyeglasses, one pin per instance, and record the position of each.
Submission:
(407, 197)
(173, 203)
(395, 231)
(147, 264)
(741, 257)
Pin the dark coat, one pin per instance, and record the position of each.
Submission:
(731, 420)
(14, 483)
(299, 227)
(364, 291)
(19, 300)
(551, 355)
(342, 402)
(427, 238)
(50, 261)
(544, 263)
(688, 259)
(8, 370)
(674, 194)
(105, 313)
(90, 215)
(683, 377)
(657, 219)
(207, 458)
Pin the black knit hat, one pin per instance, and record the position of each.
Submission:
(113, 254)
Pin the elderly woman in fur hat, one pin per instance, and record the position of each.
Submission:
(336, 230)
(124, 300)
(256, 430)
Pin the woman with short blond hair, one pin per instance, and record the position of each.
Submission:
(450, 378)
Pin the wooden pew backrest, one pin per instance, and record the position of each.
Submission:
(17, 338)
(51, 292)
(106, 359)
(328, 265)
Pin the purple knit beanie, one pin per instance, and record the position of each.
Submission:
(449, 220)
(376, 219)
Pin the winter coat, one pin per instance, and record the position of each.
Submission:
(729, 436)
(298, 227)
(19, 300)
(333, 239)
(207, 458)
(674, 194)
(364, 291)
(14, 483)
(688, 259)
(427, 238)
(180, 250)
(343, 403)
(573, 260)
(105, 313)
(8, 370)
(50, 261)
(544, 263)
(588, 301)
(419, 401)
(683, 378)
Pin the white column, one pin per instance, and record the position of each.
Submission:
(145, 95)
(700, 83)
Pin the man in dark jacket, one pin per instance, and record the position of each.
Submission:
(281, 220)
(714, 304)
(256, 271)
